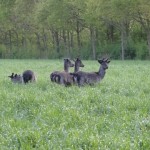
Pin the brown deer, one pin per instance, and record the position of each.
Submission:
(55, 75)
(66, 78)
(92, 77)
(16, 78)
(28, 76)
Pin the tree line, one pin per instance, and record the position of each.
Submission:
(69, 28)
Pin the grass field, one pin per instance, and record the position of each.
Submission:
(114, 114)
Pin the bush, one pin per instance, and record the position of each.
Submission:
(2, 50)
(141, 50)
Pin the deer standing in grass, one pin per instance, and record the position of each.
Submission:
(91, 78)
(68, 79)
(55, 75)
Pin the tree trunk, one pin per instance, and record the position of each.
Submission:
(148, 41)
(68, 42)
(53, 37)
(122, 45)
(65, 43)
(44, 40)
(93, 42)
(38, 41)
(123, 41)
(57, 42)
(78, 37)
(97, 38)
(24, 42)
(17, 38)
(111, 33)
(10, 43)
(71, 40)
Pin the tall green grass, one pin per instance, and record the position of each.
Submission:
(114, 114)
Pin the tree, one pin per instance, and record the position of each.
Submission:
(141, 13)
(91, 18)
(116, 13)
(61, 28)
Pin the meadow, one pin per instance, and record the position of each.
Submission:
(114, 114)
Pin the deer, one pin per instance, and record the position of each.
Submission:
(28, 76)
(91, 78)
(66, 78)
(78, 64)
(55, 75)
(15, 78)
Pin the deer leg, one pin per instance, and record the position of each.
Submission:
(56, 78)
(80, 81)
(61, 80)
(52, 77)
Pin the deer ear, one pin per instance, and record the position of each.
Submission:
(66, 59)
(11, 76)
(100, 61)
(105, 59)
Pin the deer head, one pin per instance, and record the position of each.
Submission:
(11, 76)
(15, 78)
(67, 64)
(104, 63)
(79, 62)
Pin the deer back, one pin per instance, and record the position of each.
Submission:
(29, 76)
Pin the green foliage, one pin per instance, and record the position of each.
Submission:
(141, 50)
(59, 28)
(113, 114)
(112, 50)
(2, 50)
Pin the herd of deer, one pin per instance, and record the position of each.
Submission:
(65, 77)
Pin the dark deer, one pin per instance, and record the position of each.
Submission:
(16, 78)
(92, 77)
(28, 76)
(66, 78)
(55, 75)
(78, 64)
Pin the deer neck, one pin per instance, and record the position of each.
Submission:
(101, 72)
(66, 68)
(76, 68)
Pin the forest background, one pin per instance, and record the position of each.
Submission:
(50, 29)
